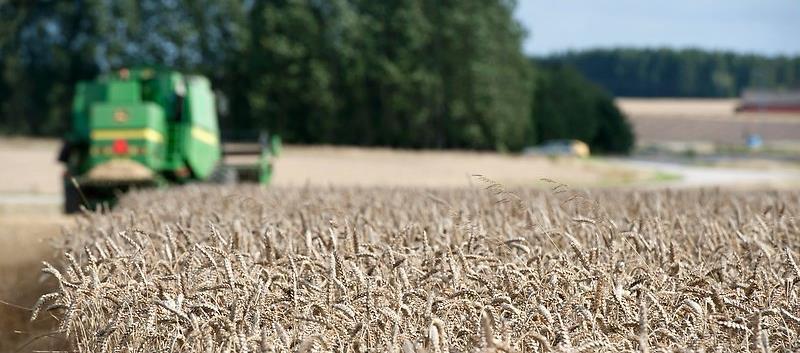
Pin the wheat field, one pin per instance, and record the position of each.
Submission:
(245, 269)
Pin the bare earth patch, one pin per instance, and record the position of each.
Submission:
(25, 240)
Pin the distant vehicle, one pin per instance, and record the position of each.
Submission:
(574, 148)
(144, 127)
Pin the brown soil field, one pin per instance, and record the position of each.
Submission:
(25, 240)
(717, 131)
(710, 120)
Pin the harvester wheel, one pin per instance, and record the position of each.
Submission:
(72, 198)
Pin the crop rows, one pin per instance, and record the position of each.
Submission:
(243, 269)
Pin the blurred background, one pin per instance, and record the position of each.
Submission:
(498, 74)
(518, 90)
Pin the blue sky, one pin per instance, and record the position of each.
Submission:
(769, 27)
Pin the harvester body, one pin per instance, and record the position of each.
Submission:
(142, 127)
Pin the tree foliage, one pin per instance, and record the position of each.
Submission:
(682, 73)
(567, 106)
(418, 73)
(403, 73)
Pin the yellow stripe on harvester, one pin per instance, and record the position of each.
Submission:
(128, 134)
(205, 136)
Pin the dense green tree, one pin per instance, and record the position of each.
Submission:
(681, 73)
(405, 73)
(291, 80)
(614, 133)
(567, 106)
(414, 73)
(47, 46)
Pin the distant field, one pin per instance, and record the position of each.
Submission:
(342, 166)
(709, 120)
(30, 167)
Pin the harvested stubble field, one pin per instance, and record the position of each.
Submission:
(709, 120)
(222, 269)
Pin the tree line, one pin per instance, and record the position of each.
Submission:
(682, 73)
(402, 73)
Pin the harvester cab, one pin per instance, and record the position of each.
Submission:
(146, 127)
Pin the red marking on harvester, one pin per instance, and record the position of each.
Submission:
(120, 147)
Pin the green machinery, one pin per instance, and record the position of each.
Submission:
(144, 127)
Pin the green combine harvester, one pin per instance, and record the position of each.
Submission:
(145, 127)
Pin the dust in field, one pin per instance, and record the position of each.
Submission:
(26, 240)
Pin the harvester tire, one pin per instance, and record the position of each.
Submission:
(72, 198)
